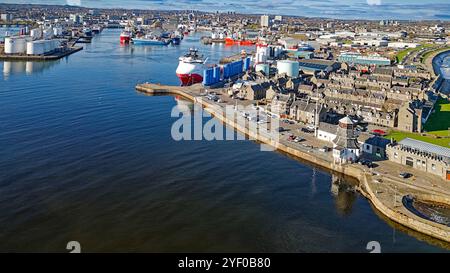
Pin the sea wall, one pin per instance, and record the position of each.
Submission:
(429, 228)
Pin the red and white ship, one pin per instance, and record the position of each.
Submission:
(190, 68)
(125, 37)
(243, 42)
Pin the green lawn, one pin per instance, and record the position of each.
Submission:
(439, 121)
(437, 124)
(402, 54)
(397, 135)
(426, 55)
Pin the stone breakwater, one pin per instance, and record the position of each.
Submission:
(368, 185)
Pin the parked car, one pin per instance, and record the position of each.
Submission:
(280, 129)
(405, 175)
(306, 130)
(324, 149)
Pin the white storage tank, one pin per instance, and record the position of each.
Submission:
(260, 58)
(263, 67)
(277, 51)
(47, 33)
(36, 47)
(57, 31)
(263, 50)
(56, 43)
(291, 68)
(15, 45)
(36, 33)
(48, 46)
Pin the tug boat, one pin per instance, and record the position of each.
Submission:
(190, 67)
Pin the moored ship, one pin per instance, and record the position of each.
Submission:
(125, 37)
(244, 42)
(190, 68)
(150, 40)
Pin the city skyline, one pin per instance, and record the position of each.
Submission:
(342, 9)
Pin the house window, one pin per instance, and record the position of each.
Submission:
(423, 163)
(433, 166)
(410, 161)
(418, 162)
(395, 155)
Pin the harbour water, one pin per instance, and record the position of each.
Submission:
(441, 65)
(87, 158)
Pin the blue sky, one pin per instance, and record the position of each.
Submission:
(344, 9)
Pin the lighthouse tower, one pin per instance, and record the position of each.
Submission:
(345, 145)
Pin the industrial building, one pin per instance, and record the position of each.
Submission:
(357, 58)
(316, 65)
(422, 156)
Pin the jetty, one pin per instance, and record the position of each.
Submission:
(381, 186)
(45, 57)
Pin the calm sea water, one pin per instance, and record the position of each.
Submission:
(85, 157)
(441, 66)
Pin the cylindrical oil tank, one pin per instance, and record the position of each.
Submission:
(57, 43)
(9, 45)
(291, 68)
(36, 33)
(57, 31)
(15, 45)
(278, 51)
(36, 47)
(261, 58)
(262, 67)
(47, 33)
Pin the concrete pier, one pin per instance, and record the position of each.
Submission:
(384, 189)
(54, 56)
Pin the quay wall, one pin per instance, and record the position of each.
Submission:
(429, 228)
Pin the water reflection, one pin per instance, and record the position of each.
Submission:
(344, 192)
(28, 67)
(184, 105)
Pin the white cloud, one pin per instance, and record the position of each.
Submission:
(73, 2)
(373, 2)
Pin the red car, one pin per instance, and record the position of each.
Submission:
(379, 132)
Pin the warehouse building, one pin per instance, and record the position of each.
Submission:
(421, 156)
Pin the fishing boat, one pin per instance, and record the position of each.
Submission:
(150, 40)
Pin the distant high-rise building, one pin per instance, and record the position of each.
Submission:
(265, 21)
(93, 12)
(279, 18)
(6, 17)
(76, 18)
